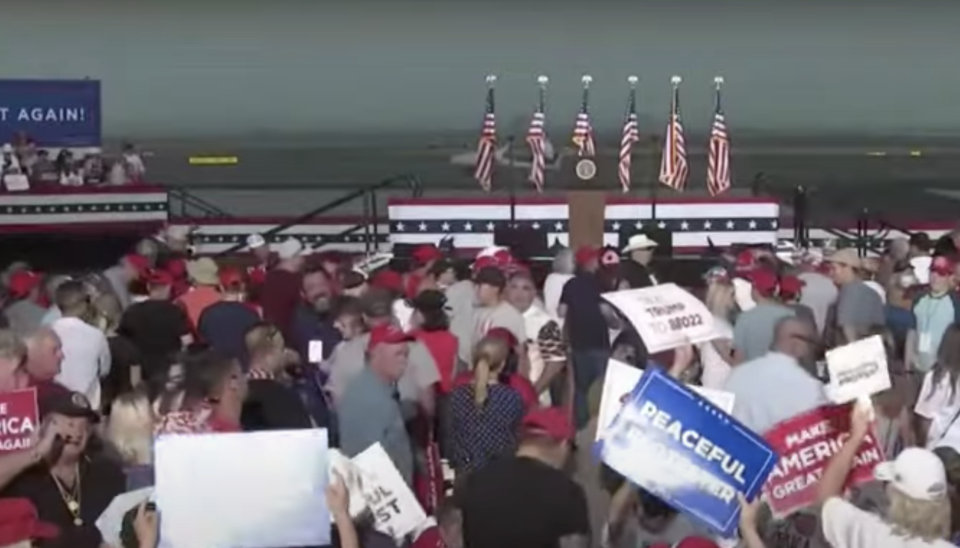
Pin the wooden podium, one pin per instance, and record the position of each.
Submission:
(587, 203)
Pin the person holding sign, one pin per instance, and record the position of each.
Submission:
(919, 510)
(71, 487)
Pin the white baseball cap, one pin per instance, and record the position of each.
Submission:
(256, 240)
(917, 472)
(290, 249)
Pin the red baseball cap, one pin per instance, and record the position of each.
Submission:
(159, 277)
(764, 281)
(745, 261)
(425, 253)
(177, 268)
(551, 421)
(231, 277)
(790, 286)
(138, 262)
(387, 334)
(22, 282)
(942, 266)
(610, 257)
(19, 522)
(388, 279)
(586, 254)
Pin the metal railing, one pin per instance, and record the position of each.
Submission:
(182, 203)
(369, 225)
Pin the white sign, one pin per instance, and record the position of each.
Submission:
(665, 316)
(110, 522)
(396, 511)
(620, 379)
(857, 370)
(250, 490)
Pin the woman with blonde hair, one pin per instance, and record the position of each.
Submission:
(717, 355)
(916, 487)
(484, 410)
(129, 430)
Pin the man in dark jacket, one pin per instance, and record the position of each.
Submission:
(637, 270)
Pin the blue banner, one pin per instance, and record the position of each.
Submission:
(677, 445)
(54, 113)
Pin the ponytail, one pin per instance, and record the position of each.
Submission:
(481, 381)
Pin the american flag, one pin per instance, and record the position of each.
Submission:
(718, 164)
(536, 138)
(583, 129)
(673, 164)
(487, 146)
(630, 135)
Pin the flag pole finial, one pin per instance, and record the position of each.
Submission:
(491, 78)
(633, 80)
(542, 80)
(718, 80)
(675, 80)
(586, 79)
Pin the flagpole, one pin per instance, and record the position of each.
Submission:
(512, 182)
(654, 175)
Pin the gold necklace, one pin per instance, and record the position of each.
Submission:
(70, 499)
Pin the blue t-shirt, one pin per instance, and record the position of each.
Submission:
(932, 316)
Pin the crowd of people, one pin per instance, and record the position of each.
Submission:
(482, 364)
(26, 165)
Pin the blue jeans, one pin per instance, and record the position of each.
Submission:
(588, 367)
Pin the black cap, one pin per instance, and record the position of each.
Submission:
(492, 276)
(68, 404)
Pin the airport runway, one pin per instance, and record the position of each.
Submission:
(899, 183)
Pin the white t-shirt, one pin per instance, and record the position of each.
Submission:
(86, 357)
(936, 404)
(552, 289)
(715, 368)
(846, 526)
(502, 315)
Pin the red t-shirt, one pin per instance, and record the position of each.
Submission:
(429, 538)
(442, 346)
(279, 297)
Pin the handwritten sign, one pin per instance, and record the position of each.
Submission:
(249, 490)
(857, 370)
(674, 443)
(665, 316)
(19, 418)
(620, 380)
(805, 445)
(395, 509)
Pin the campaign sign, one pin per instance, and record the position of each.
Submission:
(679, 446)
(665, 316)
(620, 379)
(858, 370)
(55, 113)
(805, 445)
(19, 418)
(243, 490)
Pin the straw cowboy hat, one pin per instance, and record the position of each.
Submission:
(203, 271)
(639, 241)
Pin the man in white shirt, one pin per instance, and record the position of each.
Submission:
(756, 405)
(86, 353)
